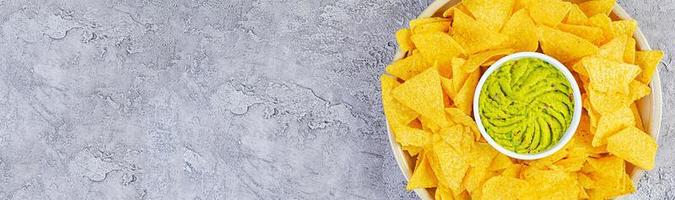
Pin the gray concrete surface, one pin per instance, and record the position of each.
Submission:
(234, 99)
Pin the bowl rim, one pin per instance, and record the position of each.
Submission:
(569, 132)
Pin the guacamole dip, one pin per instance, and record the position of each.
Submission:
(526, 105)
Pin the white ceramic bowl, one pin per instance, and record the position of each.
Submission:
(576, 116)
(649, 106)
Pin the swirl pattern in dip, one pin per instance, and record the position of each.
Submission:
(526, 105)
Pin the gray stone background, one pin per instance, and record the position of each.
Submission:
(234, 99)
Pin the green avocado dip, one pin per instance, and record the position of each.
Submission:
(526, 105)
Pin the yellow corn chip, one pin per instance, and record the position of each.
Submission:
(436, 26)
(437, 47)
(611, 123)
(648, 61)
(614, 49)
(453, 164)
(408, 67)
(458, 116)
(596, 7)
(403, 39)
(565, 46)
(629, 54)
(500, 162)
(423, 176)
(638, 117)
(624, 27)
(576, 16)
(635, 146)
(608, 176)
(397, 114)
(609, 76)
(605, 23)
(412, 150)
(475, 36)
(408, 136)
(424, 95)
(464, 98)
(504, 188)
(549, 12)
(589, 33)
(492, 12)
(448, 88)
(550, 184)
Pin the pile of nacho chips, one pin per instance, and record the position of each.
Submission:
(427, 98)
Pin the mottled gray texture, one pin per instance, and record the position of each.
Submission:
(234, 99)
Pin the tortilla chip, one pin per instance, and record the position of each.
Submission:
(624, 27)
(397, 114)
(588, 33)
(612, 123)
(609, 76)
(648, 61)
(458, 116)
(500, 187)
(565, 46)
(614, 49)
(638, 117)
(609, 177)
(634, 146)
(435, 24)
(629, 54)
(549, 12)
(473, 35)
(423, 176)
(408, 67)
(576, 16)
(448, 88)
(550, 184)
(475, 60)
(595, 7)
(453, 164)
(424, 95)
(437, 47)
(408, 136)
(464, 98)
(638, 90)
(493, 12)
(403, 39)
(500, 162)
(605, 23)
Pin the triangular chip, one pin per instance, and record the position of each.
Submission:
(492, 12)
(624, 27)
(423, 176)
(576, 16)
(549, 12)
(397, 114)
(648, 61)
(453, 164)
(408, 136)
(522, 32)
(609, 76)
(434, 24)
(595, 7)
(604, 102)
(605, 23)
(437, 47)
(408, 67)
(565, 46)
(464, 98)
(614, 49)
(475, 36)
(403, 39)
(589, 33)
(504, 188)
(423, 94)
(634, 146)
(612, 123)
(629, 53)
